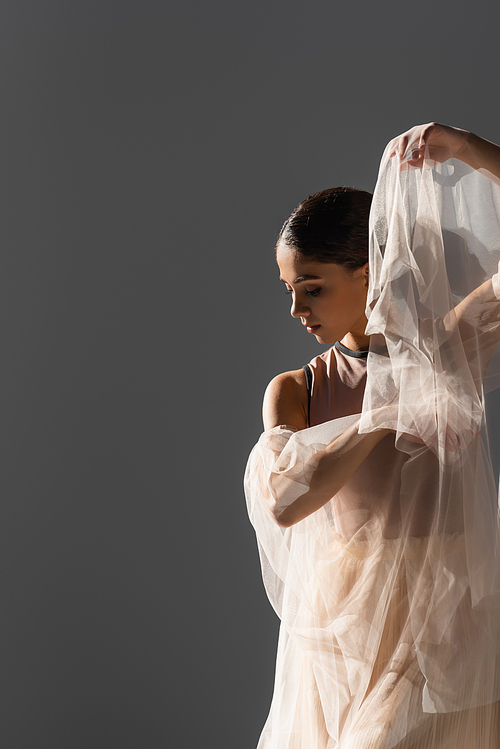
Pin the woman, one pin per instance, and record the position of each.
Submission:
(371, 489)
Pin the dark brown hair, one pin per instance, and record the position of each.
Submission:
(331, 227)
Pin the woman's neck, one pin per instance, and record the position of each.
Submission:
(356, 342)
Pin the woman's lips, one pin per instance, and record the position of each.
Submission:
(313, 328)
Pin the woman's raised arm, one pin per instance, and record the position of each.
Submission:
(479, 313)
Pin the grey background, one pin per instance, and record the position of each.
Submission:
(150, 153)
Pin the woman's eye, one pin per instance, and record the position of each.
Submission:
(313, 292)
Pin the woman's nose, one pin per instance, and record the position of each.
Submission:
(297, 309)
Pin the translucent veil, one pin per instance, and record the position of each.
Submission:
(389, 596)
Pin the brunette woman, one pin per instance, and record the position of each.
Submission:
(371, 489)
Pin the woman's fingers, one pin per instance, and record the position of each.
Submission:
(399, 146)
(414, 152)
(409, 145)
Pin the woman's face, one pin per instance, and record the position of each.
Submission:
(329, 299)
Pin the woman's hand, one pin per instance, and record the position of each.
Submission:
(443, 142)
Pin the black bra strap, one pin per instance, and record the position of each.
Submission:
(309, 383)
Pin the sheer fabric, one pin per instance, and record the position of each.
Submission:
(389, 595)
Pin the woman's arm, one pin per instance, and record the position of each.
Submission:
(334, 466)
(285, 403)
(479, 312)
(477, 319)
(445, 142)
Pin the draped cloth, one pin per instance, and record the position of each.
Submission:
(389, 595)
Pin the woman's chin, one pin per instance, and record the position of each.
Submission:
(324, 339)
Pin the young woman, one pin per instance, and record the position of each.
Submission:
(371, 489)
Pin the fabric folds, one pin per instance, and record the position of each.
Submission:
(389, 595)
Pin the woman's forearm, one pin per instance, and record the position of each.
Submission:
(335, 465)
(481, 154)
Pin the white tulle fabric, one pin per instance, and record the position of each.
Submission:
(389, 596)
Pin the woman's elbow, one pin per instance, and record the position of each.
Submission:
(299, 509)
(284, 517)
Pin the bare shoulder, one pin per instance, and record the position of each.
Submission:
(286, 401)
